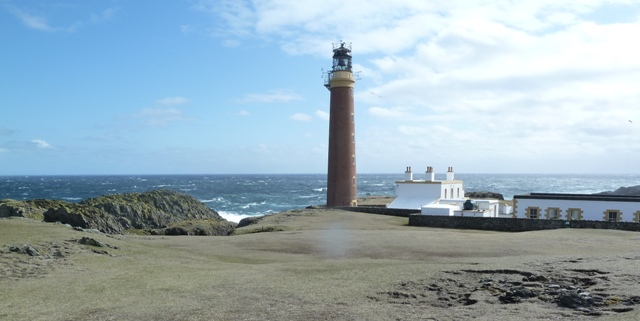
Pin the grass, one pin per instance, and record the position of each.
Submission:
(314, 265)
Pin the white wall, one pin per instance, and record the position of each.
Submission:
(450, 190)
(415, 194)
(592, 210)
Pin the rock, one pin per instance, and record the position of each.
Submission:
(207, 227)
(484, 195)
(249, 221)
(153, 209)
(25, 249)
(574, 300)
(84, 217)
(90, 241)
(535, 278)
(26, 209)
(113, 214)
(631, 190)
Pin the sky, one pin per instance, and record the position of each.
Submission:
(236, 87)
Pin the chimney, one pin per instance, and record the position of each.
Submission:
(430, 174)
(450, 174)
(408, 175)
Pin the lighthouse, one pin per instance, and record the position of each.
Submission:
(342, 189)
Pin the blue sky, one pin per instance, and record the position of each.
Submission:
(200, 87)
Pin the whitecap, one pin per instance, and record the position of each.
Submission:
(216, 199)
(234, 217)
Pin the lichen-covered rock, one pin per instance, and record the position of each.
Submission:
(27, 209)
(153, 209)
(113, 214)
(85, 217)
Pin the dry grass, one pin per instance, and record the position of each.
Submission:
(323, 265)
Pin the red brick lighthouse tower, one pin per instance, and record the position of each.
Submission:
(341, 178)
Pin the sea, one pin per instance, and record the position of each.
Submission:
(237, 196)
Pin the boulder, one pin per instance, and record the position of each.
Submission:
(25, 249)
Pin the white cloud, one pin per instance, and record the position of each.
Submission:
(272, 97)
(300, 117)
(173, 101)
(244, 113)
(532, 83)
(41, 143)
(322, 115)
(30, 20)
(40, 22)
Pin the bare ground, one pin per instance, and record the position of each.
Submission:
(320, 264)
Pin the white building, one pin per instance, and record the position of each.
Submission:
(613, 208)
(441, 197)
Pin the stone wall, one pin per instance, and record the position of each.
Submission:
(491, 223)
(624, 226)
(382, 210)
(485, 223)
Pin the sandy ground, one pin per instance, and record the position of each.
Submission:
(318, 264)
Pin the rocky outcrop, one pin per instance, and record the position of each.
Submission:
(85, 217)
(153, 209)
(33, 209)
(158, 210)
(206, 227)
(630, 190)
(249, 221)
(484, 195)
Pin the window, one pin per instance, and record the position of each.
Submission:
(533, 213)
(574, 214)
(458, 192)
(552, 213)
(445, 193)
(612, 215)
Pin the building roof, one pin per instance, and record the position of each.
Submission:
(579, 197)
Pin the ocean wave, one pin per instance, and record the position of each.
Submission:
(72, 198)
(253, 204)
(216, 199)
(320, 189)
(235, 217)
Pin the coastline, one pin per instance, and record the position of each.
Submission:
(314, 264)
